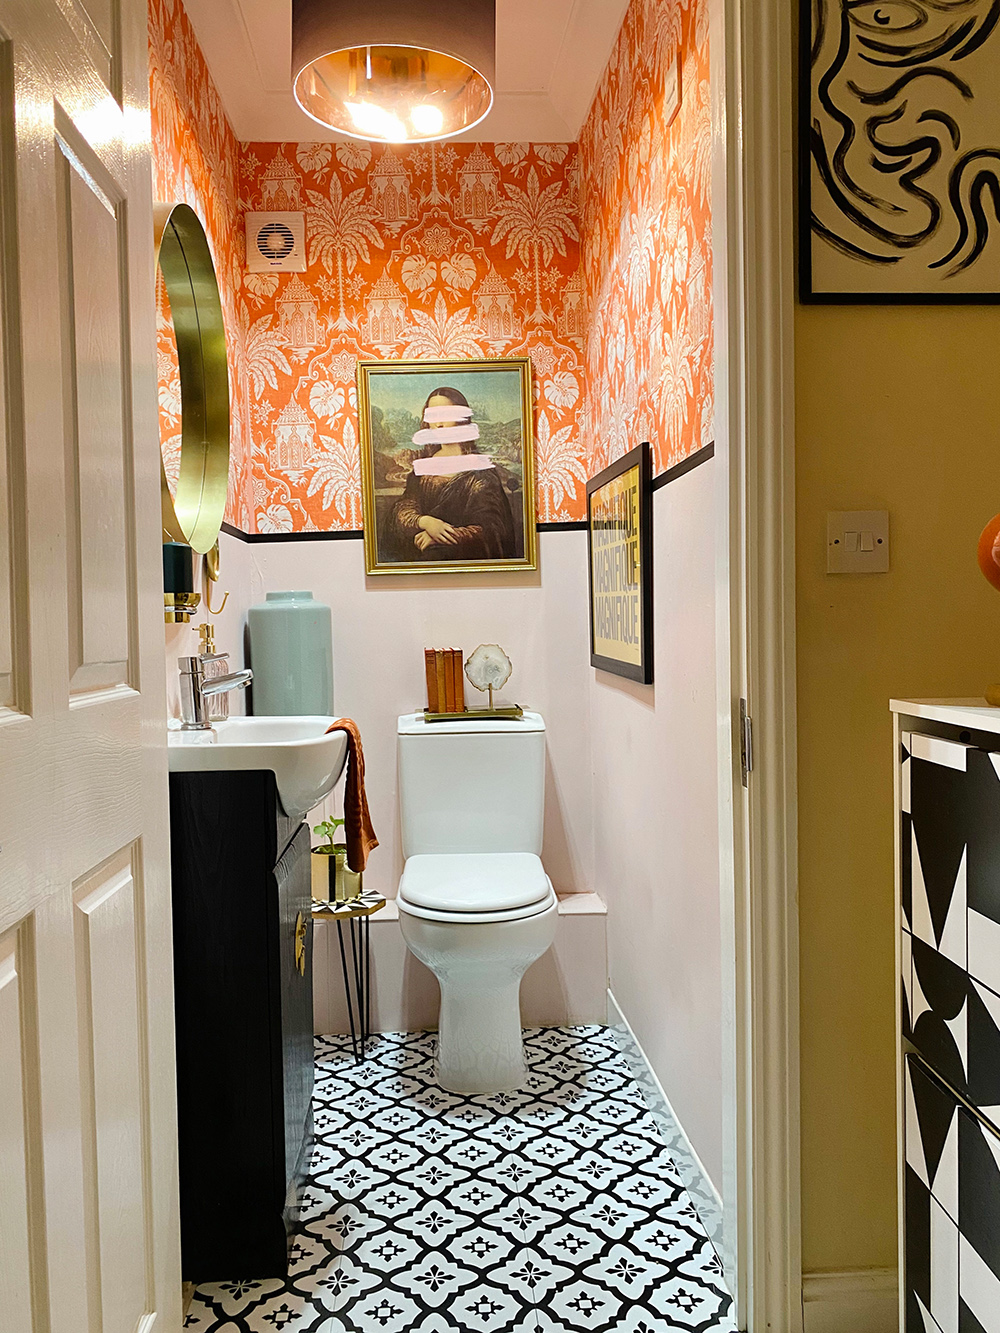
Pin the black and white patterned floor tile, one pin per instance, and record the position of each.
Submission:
(550, 1210)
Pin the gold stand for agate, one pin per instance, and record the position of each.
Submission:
(489, 713)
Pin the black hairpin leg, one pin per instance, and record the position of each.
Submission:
(357, 983)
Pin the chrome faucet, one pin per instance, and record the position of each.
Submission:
(195, 689)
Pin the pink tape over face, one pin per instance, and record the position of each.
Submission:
(451, 465)
(447, 434)
(453, 413)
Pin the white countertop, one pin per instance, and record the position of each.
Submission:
(973, 713)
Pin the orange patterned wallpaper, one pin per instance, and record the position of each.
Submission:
(196, 161)
(458, 250)
(413, 252)
(646, 242)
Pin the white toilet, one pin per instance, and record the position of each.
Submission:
(475, 904)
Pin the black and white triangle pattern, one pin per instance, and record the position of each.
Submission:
(950, 846)
(952, 1206)
(552, 1209)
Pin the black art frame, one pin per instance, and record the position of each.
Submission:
(811, 12)
(639, 459)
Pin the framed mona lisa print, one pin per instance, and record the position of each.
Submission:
(447, 466)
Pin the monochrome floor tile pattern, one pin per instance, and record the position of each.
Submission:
(550, 1210)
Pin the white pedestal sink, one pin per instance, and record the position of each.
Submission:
(305, 761)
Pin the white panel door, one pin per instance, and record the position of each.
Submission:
(88, 1208)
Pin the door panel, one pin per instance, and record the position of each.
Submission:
(95, 377)
(95, 25)
(15, 1228)
(87, 1096)
(13, 602)
(116, 1131)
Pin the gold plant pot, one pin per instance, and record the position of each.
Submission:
(333, 881)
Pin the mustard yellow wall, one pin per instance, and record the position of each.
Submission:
(897, 408)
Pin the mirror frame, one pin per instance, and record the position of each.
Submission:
(194, 515)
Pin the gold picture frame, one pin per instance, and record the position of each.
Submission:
(446, 515)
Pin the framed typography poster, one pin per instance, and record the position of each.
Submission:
(620, 554)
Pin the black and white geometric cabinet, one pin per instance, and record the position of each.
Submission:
(948, 910)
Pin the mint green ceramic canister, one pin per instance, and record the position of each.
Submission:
(291, 653)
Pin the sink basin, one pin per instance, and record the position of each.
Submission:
(306, 763)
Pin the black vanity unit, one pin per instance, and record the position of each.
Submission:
(948, 913)
(243, 979)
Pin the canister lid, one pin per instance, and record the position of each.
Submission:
(415, 724)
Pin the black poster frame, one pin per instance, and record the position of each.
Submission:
(640, 457)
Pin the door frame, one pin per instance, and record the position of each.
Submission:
(755, 305)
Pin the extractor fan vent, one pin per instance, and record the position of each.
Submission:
(276, 242)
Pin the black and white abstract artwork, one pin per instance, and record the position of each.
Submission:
(900, 150)
(949, 810)
(952, 1211)
(553, 1209)
(950, 955)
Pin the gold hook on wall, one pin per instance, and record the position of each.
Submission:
(212, 573)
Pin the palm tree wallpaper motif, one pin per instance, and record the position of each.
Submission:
(340, 229)
(576, 234)
(536, 224)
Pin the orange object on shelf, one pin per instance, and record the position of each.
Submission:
(989, 551)
(442, 691)
(449, 679)
(430, 670)
(444, 670)
(457, 665)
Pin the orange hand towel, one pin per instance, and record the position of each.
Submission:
(358, 829)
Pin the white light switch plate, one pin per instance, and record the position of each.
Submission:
(857, 541)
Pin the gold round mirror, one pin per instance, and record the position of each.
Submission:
(193, 381)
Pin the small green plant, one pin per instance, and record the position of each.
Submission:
(328, 830)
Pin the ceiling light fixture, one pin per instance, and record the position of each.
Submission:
(395, 71)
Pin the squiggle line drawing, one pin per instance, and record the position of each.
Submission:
(904, 131)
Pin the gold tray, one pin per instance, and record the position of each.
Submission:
(490, 714)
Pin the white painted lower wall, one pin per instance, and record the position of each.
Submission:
(859, 1301)
(656, 827)
(568, 984)
(689, 1165)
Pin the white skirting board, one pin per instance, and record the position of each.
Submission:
(696, 1179)
(567, 985)
(859, 1301)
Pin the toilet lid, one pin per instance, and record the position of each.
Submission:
(474, 881)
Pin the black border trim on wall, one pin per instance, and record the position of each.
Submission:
(685, 465)
(355, 534)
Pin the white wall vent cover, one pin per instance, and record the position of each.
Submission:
(276, 242)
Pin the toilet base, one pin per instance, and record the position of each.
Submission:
(479, 969)
(479, 1045)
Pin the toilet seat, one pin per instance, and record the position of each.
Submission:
(475, 887)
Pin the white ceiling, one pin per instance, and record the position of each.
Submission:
(550, 56)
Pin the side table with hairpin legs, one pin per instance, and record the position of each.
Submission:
(356, 913)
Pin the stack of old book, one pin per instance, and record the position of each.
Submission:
(445, 680)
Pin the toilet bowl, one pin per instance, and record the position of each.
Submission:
(475, 904)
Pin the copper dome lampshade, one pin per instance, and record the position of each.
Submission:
(394, 71)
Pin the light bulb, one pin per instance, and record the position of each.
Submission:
(376, 122)
(427, 119)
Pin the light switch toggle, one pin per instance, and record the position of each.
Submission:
(857, 541)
